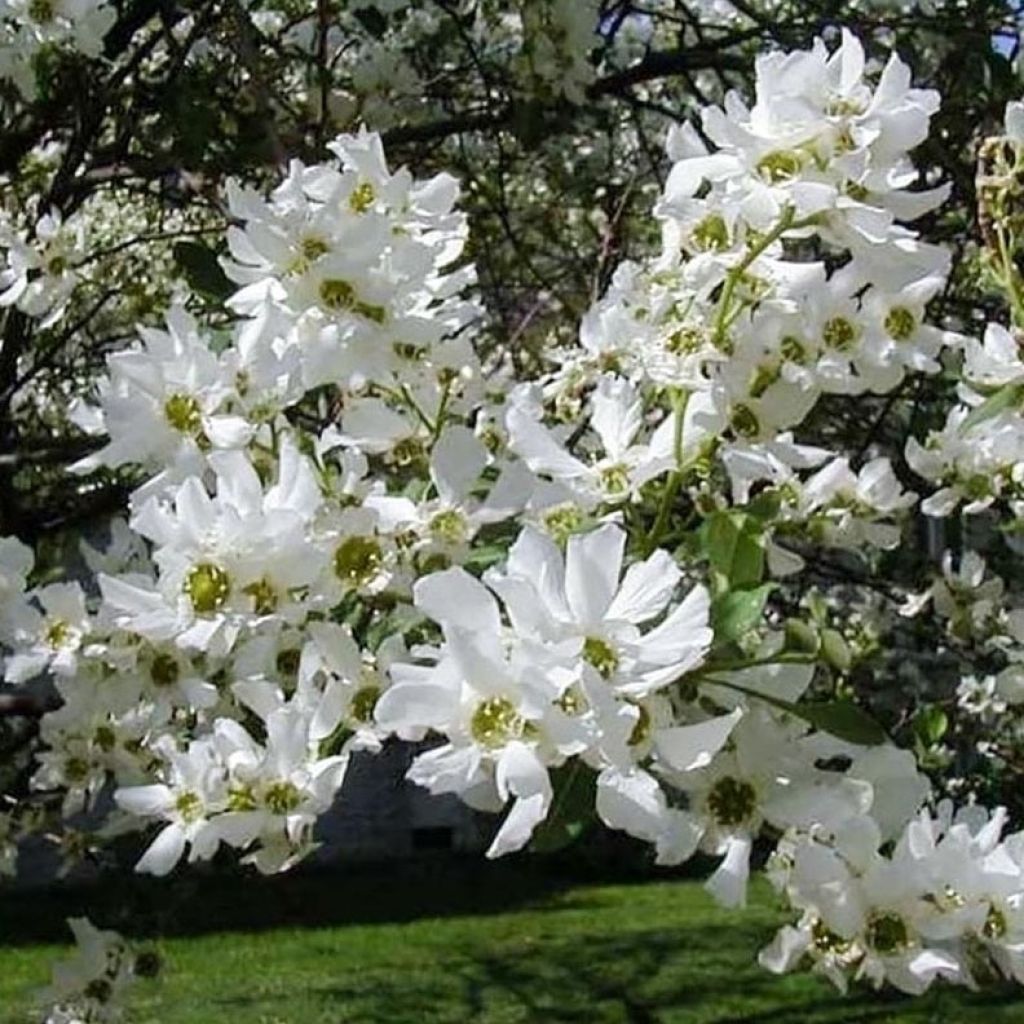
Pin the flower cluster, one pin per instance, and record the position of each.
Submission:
(31, 28)
(977, 457)
(88, 987)
(580, 586)
(947, 902)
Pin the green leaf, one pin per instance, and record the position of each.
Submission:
(843, 719)
(738, 611)
(801, 637)
(836, 650)
(572, 808)
(765, 506)
(1006, 397)
(484, 557)
(930, 724)
(735, 548)
(201, 270)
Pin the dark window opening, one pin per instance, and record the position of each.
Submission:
(433, 838)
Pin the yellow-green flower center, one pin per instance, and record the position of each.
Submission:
(105, 738)
(562, 521)
(731, 801)
(363, 703)
(641, 728)
(826, 941)
(573, 702)
(495, 721)
(357, 560)
(779, 166)
(362, 197)
(241, 798)
(793, 350)
(76, 769)
(900, 323)
(164, 670)
(407, 451)
(615, 479)
(599, 653)
(887, 933)
(449, 526)
(685, 341)
(282, 797)
(183, 413)
(839, 334)
(762, 379)
(207, 586)
(189, 806)
(711, 233)
(264, 596)
(336, 294)
(58, 634)
(743, 421)
(314, 247)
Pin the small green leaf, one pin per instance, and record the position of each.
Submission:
(738, 611)
(836, 650)
(801, 637)
(484, 557)
(841, 718)
(844, 720)
(1007, 397)
(735, 549)
(765, 506)
(204, 274)
(572, 808)
(930, 724)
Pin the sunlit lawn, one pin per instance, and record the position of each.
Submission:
(432, 942)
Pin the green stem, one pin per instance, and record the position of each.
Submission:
(675, 480)
(1010, 279)
(442, 409)
(786, 223)
(414, 406)
(739, 666)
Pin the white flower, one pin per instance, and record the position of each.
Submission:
(625, 465)
(164, 403)
(89, 985)
(195, 788)
(41, 269)
(48, 633)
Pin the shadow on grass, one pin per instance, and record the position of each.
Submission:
(697, 975)
(201, 900)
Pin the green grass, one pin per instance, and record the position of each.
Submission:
(449, 943)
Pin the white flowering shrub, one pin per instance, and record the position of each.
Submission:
(633, 565)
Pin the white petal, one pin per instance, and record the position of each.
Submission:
(686, 629)
(526, 814)
(592, 565)
(632, 802)
(729, 883)
(453, 597)
(456, 463)
(688, 747)
(646, 589)
(164, 852)
(144, 801)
